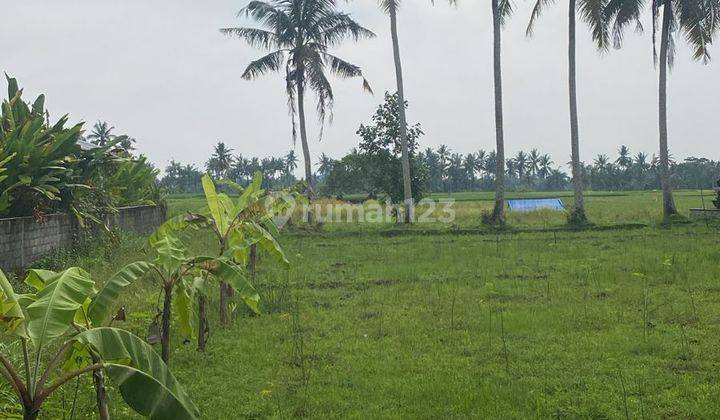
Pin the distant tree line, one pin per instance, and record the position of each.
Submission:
(442, 170)
(525, 171)
(187, 178)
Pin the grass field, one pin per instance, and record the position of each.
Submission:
(454, 322)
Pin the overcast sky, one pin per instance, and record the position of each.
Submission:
(160, 71)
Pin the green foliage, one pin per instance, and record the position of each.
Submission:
(377, 167)
(142, 377)
(58, 311)
(37, 158)
(43, 169)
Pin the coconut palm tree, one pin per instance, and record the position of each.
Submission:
(521, 164)
(101, 133)
(325, 165)
(501, 10)
(545, 166)
(593, 13)
(699, 21)
(391, 8)
(291, 162)
(298, 35)
(220, 161)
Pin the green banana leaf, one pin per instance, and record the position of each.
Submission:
(11, 314)
(231, 273)
(37, 279)
(144, 380)
(102, 303)
(171, 253)
(217, 210)
(54, 309)
(183, 308)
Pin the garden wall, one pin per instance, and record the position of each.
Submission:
(23, 240)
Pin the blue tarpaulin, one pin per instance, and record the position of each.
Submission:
(536, 204)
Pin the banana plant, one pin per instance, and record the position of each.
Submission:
(66, 307)
(183, 276)
(240, 227)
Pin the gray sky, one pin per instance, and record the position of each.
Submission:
(161, 72)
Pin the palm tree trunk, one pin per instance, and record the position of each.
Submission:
(407, 185)
(578, 215)
(305, 146)
(498, 215)
(304, 140)
(669, 208)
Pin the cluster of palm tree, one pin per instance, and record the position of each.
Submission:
(451, 172)
(278, 172)
(299, 33)
(535, 171)
(641, 171)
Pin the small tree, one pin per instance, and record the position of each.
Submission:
(382, 152)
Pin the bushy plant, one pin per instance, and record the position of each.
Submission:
(44, 170)
(61, 332)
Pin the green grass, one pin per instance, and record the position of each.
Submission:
(379, 322)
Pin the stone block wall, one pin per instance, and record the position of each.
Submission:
(23, 240)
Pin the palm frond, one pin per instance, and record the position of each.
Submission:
(695, 23)
(269, 63)
(593, 13)
(258, 38)
(539, 7)
(621, 13)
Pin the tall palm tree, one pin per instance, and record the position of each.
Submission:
(221, 160)
(298, 35)
(699, 21)
(101, 133)
(291, 162)
(391, 8)
(534, 162)
(325, 164)
(521, 164)
(593, 13)
(545, 166)
(501, 10)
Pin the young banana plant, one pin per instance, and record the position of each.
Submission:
(240, 227)
(183, 276)
(67, 308)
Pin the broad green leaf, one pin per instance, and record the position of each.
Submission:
(267, 242)
(234, 275)
(102, 303)
(175, 225)
(81, 315)
(171, 253)
(11, 314)
(54, 309)
(214, 204)
(183, 309)
(37, 279)
(144, 380)
(251, 193)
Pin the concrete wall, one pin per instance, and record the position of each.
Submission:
(23, 240)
